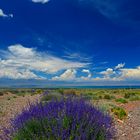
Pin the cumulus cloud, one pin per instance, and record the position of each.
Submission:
(14, 73)
(131, 74)
(27, 61)
(88, 72)
(119, 66)
(119, 74)
(108, 72)
(2, 14)
(69, 74)
(41, 1)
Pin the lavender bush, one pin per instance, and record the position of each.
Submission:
(68, 119)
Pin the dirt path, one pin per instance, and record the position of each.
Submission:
(11, 104)
(130, 128)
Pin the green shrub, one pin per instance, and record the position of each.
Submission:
(14, 96)
(61, 91)
(90, 94)
(100, 97)
(129, 95)
(135, 98)
(121, 100)
(108, 97)
(95, 97)
(8, 98)
(1, 93)
(119, 112)
(14, 91)
(38, 91)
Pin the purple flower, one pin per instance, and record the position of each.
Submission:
(62, 120)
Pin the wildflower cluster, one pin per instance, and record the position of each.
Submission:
(68, 119)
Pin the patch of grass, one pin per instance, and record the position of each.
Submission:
(132, 96)
(129, 95)
(119, 112)
(95, 97)
(135, 98)
(109, 97)
(121, 100)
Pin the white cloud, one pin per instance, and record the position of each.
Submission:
(23, 60)
(88, 72)
(41, 1)
(131, 74)
(118, 75)
(119, 66)
(108, 72)
(14, 73)
(2, 14)
(69, 74)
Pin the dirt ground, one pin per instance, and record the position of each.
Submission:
(11, 104)
(129, 129)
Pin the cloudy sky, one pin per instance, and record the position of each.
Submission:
(75, 42)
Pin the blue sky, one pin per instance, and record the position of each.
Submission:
(89, 42)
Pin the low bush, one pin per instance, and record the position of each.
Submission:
(119, 112)
(100, 97)
(14, 96)
(90, 93)
(129, 95)
(121, 100)
(95, 97)
(135, 98)
(8, 98)
(61, 91)
(108, 97)
(1, 93)
(38, 91)
(70, 119)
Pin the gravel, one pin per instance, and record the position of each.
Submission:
(10, 105)
(130, 128)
